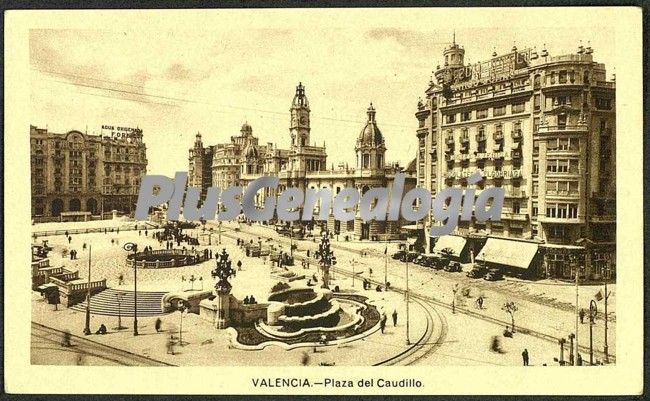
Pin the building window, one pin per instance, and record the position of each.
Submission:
(537, 102)
(483, 113)
(537, 81)
(603, 104)
(518, 107)
(563, 77)
(516, 207)
(451, 118)
(499, 111)
(466, 116)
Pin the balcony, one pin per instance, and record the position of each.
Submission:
(481, 137)
(498, 136)
(517, 134)
(515, 194)
(547, 129)
(514, 216)
(516, 154)
(560, 220)
(464, 139)
(449, 140)
(604, 218)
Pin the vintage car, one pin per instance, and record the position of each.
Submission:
(493, 275)
(453, 267)
(477, 271)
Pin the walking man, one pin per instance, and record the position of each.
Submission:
(524, 356)
(382, 323)
(582, 315)
(394, 317)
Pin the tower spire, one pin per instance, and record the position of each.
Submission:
(454, 39)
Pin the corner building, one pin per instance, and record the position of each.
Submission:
(76, 175)
(304, 165)
(543, 128)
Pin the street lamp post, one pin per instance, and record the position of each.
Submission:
(561, 341)
(408, 295)
(119, 297)
(453, 301)
(593, 310)
(181, 308)
(130, 246)
(87, 328)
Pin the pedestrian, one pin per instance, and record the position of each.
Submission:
(382, 322)
(140, 232)
(582, 315)
(146, 233)
(83, 247)
(579, 360)
(105, 231)
(118, 230)
(480, 302)
(170, 345)
(69, 239)
(66, 339)
(67, 234)
(158, 325)
(394, 317)
(120, 279)
(101, 330)
(239, 265)
(307, 252)
(112, 241)
(524, 356)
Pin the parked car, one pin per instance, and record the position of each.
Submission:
(441, 263)
(399, 254)
(426, 260)
(453, 267)
(410, 257)
(493, 275)
(477, 271)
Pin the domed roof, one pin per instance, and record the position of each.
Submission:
(370, 134)
(246, 129)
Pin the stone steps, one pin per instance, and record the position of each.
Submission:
(105, 303)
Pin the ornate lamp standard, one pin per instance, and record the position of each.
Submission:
(222, 273)
(131, 247)
(326, 257)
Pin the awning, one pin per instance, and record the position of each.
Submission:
(411, 241)
(46, 287)
(455, 243)
(509, 253)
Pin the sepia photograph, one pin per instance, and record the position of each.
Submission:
(267, 189)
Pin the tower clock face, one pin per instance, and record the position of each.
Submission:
(303, 120)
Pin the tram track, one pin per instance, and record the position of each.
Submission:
(432, 301)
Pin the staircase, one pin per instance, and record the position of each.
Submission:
(105, 303)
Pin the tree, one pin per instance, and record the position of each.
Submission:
(447, 252)
(510, 308)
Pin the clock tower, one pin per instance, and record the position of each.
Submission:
(299, 127)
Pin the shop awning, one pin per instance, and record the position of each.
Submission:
(509, 253)
(411, 241)
(453, 242)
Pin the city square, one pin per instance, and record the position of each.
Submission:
(474, 226)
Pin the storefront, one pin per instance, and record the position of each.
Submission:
(453, 245)
(561, 261)
(515, 258)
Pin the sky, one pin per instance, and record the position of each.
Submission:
(174, 79)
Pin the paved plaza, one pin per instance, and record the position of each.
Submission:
(437, 335)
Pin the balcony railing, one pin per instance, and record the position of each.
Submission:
(498, 136)
(516, 134)
(552, 128)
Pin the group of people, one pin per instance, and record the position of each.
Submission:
(249, 300)
(384, 319)
(73, 254)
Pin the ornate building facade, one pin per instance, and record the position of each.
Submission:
(543, 128)
(77, 173)
(304, 165)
